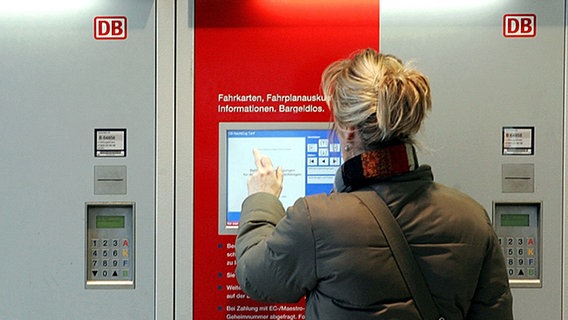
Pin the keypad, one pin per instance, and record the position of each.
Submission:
(109, 246)
(521, 256)
(109, 259)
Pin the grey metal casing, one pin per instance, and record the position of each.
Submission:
(482, 82)
(59, 84)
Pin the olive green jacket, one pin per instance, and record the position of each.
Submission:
(329, 249)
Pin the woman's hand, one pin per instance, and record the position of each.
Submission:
(265, 179)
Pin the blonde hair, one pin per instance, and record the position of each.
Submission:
(384, 99)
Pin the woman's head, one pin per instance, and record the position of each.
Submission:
(378, 95)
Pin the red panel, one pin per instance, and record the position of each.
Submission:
(257, 47)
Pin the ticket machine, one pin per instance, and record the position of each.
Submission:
(77, 166)
(496, 132)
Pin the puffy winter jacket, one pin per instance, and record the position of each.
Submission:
(329, 249)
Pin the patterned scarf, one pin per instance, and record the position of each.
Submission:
(375, 165)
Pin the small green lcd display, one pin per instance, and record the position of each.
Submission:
(515, 220)
(109, 222)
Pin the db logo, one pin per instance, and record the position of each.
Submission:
(110, 28)
(519, 25)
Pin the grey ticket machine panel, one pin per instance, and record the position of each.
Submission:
(109, 247)
(518, 227)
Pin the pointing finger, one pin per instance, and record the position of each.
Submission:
(257, 158)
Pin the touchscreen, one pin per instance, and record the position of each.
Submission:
(307, 152)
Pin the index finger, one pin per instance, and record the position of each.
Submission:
(257, 158)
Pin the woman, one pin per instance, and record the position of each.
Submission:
(329, 249)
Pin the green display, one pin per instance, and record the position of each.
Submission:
(515, 220)
(109, 222)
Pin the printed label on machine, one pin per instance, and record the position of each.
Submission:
(518, 141)
(110, 142)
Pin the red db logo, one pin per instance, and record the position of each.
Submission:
(110, 28)
(519, 25)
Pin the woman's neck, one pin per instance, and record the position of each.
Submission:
(377, 164)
